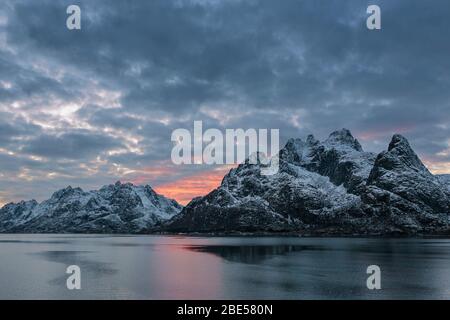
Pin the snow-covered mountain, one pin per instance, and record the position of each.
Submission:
(117, 208)
(329, 187)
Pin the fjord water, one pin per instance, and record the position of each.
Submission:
(165, 267)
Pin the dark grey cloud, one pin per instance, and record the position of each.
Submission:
(137, 70)
(111, 118)
(13, 128)
(74, 145)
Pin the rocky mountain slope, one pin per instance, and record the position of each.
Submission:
(444, 179)
(118, 208)
(329, 187)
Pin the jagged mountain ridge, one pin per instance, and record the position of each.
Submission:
(329, 187)
(340, 157)
(115, 208)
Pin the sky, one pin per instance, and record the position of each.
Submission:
(92, 106)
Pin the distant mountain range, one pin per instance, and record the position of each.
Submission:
(330, 187)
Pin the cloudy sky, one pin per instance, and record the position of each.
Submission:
(89, 107)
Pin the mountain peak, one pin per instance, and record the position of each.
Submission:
(399, 159)
(398, 140)
(344, 136)
(311, 140)
(120, 184)
(399, 146)
(22, 203)
(66, 192)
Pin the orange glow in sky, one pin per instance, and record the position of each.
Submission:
(187, 188)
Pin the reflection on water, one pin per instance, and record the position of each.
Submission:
(251, 254)
(162, 267)
(79, 258)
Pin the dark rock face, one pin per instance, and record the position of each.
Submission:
(444, 179)
(118, 208)
(401, 172)
(329, 187)
(402, 185)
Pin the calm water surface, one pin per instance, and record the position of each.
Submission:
(163, 267)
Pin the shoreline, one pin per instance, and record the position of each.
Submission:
(246, 235)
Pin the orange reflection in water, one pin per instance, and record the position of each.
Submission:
(180, 274)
